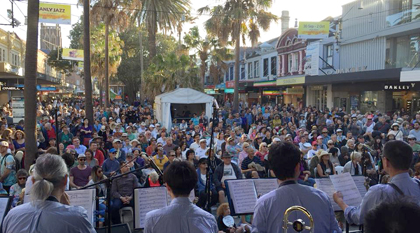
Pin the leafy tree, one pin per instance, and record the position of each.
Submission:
(64, 66)
(235, 18)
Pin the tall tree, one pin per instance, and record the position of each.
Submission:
(163, 15)
(86, 62)
(30, 82)
(115, 13)
(236, 18)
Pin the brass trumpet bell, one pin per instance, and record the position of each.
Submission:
(298, 225)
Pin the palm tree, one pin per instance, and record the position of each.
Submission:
(236, 18)
(86, 62)
(30, 82)
(115, 13)
(163, 15)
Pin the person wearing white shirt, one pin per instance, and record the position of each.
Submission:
(312, 152)
(200, 152)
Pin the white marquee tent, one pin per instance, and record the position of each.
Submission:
(180, 96)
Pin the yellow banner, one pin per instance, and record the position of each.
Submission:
(73, 54)
(54, 13)
(290, 81)
(313, 30)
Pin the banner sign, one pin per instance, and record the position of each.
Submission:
(313, 30)
(312, 58)
(54, 13)
(290, 81)
(73, 54)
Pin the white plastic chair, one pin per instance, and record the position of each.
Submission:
(126, 215)
(339, 169)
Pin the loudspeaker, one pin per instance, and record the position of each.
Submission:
(118, 228)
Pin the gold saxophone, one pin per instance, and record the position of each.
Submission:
(298, 225)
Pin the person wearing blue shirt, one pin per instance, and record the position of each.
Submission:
(396, 160)
(111, 165)
(181, 215)
(284, 158)
(195, 119)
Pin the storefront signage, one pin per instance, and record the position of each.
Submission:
(350, 70)
(265, 84)
(221, 86)
(12, 88)
(294, 91)
(317, 88)
(229, 90)
(271, 93)
(230, 84)
(398, 87)
(290, 81)
(209, 91)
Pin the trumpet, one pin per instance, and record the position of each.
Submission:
(299, 224)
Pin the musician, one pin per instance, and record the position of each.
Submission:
(181, 215)
(45, 214)
(284, 160)
(397, 157)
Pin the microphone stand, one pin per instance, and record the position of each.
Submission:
(208, 181)
(108, 182)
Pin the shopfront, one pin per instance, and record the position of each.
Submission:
(366, 91)
(292, 90)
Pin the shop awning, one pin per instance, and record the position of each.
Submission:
(364, 76)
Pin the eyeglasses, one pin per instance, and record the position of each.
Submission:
(330, 144)
(22, 178)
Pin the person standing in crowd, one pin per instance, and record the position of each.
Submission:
(284, 159)
(180, 179)
(396, 160)
(7, 167)
(44, 213)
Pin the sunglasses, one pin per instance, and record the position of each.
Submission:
(82, 159)
(22, 178)
(99, 171)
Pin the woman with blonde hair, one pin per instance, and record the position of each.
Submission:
(45, 213)
(353, 165)
(262, 151)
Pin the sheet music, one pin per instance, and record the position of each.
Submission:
(360, 184)
(146, 200)
(344, 183)
(3, 207)
(243, 195)
(264, 186)
(326, 185)
(84, 198)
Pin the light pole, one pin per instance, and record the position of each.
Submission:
(55, 107)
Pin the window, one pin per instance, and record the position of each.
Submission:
(296, 65)
(250, 70)
(402, 51)
(227, 75)
(329, 52)
(274, 66)
(290, 63)
(1, 54)
(242, 72)
(231, 73)
(265, 67)
(256, 69)
(15, 59)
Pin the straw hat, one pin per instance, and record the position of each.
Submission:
(322, 153)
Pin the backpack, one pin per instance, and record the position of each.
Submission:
(16, 165)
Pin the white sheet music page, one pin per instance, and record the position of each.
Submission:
(243, 195)
(264, 186)
(146, 200)
(325, 184)
(360, 184)
(84, 198)
(344, 183)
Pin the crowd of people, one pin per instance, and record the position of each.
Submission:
(125, 138)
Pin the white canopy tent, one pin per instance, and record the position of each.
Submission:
(180, 96)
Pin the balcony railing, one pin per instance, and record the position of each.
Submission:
(9, 68)
(403, 17)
